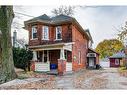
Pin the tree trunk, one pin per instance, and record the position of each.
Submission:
(7, 71)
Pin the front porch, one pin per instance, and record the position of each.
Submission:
(52, 59)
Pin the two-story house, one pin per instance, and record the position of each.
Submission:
(57, 43)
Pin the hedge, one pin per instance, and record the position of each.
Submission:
(22, 58)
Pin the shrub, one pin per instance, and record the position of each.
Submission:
(22, 58)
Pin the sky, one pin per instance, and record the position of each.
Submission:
(102, 21)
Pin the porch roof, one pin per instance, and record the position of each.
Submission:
(67, 46)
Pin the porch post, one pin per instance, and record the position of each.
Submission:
(62, 63)
(62, 55)
(34, 56)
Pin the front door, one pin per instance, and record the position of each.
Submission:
(91, 62)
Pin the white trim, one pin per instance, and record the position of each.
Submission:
(62, 55)
(43, 33)
(117, 62)
(91, 55)
(58, 39)
(53, 46)
(34, 39)
(56, 33)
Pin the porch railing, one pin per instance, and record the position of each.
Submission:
(42, 66)
(69, 66)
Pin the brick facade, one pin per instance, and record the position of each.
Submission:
(66, 34)
(81, 45)
(71, 32)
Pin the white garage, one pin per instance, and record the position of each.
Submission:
(105, 64)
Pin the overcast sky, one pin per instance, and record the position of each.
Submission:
(102, 21)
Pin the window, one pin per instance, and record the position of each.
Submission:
(34, 32)
(79, 57)
(58, 33)
(45, 32)
(116, 61)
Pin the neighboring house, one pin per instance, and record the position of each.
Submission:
(58, 43)
(117, 59)
(92, 58)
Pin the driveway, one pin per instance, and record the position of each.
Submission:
(107, 78)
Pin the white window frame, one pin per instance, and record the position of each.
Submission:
(43, 36)
(34, 27)
(57, 31)
(79, 57)
(117, 62)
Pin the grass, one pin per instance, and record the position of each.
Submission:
(22, 77)
(122, 69)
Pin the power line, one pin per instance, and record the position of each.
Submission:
(23, 14)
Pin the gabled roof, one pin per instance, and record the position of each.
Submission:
(118, 55)
(58, 20)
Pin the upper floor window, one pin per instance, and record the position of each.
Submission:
(34, 32)
(58, 33)
(45, 33)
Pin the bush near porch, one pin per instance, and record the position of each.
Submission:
(22, 58)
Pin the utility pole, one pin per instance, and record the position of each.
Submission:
(14, 38)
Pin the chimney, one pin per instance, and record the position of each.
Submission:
(14, 38)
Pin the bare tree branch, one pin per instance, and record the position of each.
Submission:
(66, 10)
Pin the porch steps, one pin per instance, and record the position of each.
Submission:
(69, 72)
(53, 72)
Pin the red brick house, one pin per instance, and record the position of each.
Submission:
(57, 43)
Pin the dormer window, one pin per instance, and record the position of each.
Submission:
(58, 33)
(34, 32)
(45, 33)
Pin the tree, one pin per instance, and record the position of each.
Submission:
(107, 48)
(66, 10)
(7, 71)
(123, 33)
(22, 58)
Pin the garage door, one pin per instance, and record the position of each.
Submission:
(105, 64)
